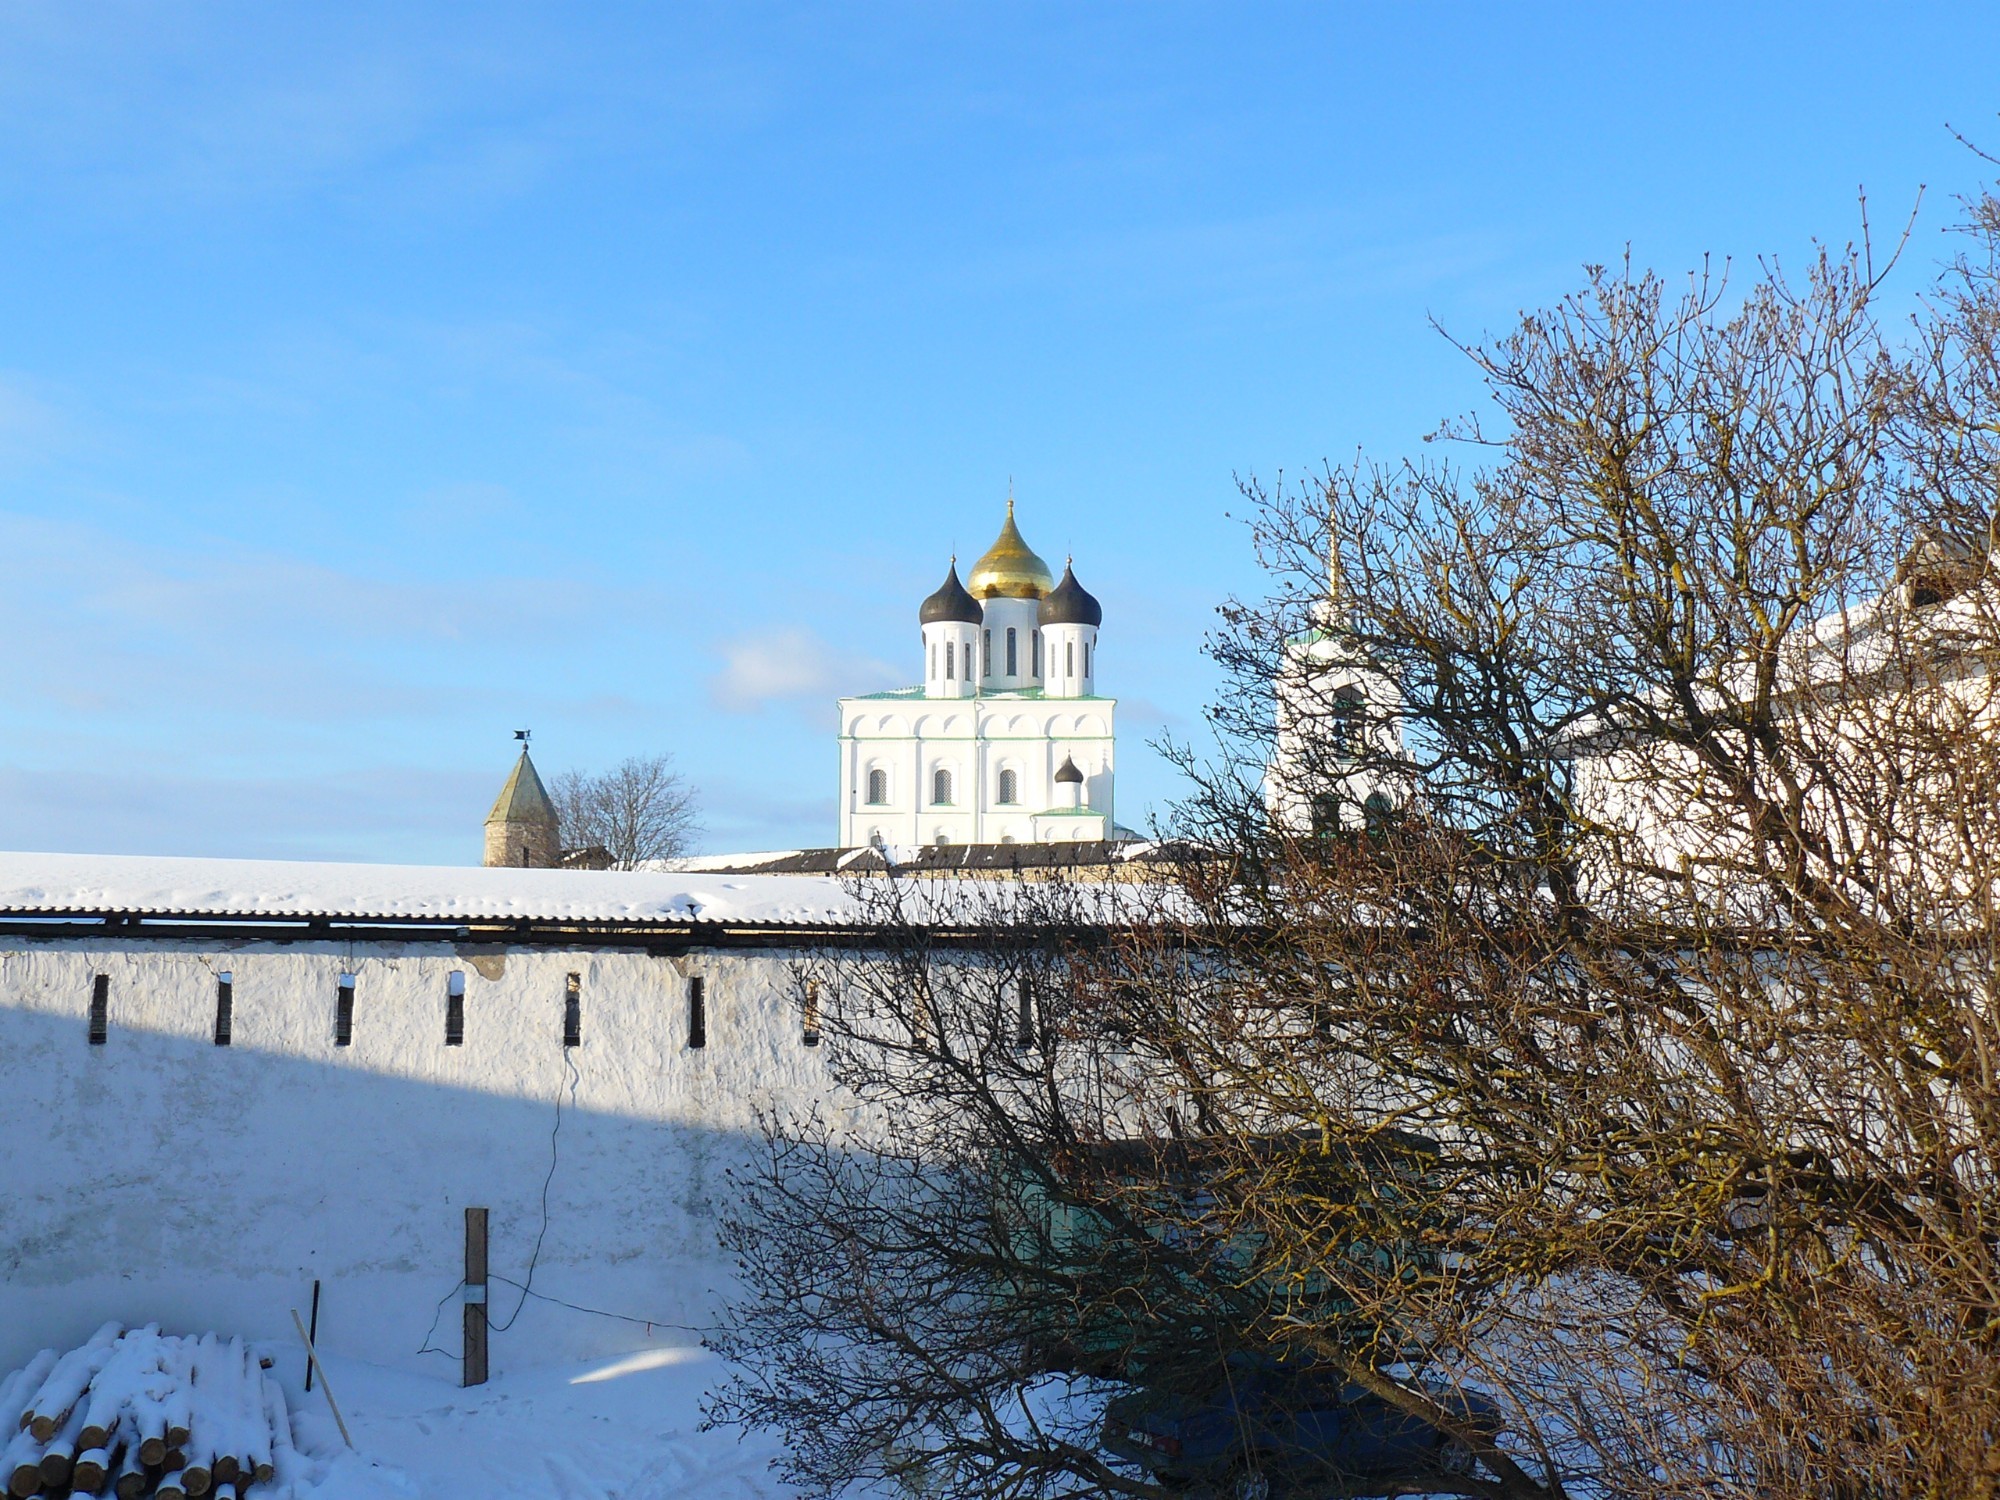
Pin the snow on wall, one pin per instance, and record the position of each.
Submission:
(159, 1176)
(101, 883)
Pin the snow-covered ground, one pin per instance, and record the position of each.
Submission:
(622, 1429)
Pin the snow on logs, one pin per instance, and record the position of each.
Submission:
(137, 1413)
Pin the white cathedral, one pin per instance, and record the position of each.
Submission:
(1006, 740)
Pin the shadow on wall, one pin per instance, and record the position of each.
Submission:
(163, 1178)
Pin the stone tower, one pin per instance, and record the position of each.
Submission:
(521, 829)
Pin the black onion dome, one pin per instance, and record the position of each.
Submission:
(950, 603)
(1067, 772)
(1070, 603)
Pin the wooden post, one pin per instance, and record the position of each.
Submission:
(474, 1366)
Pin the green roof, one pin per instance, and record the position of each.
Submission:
(981, 696)
(523, 799)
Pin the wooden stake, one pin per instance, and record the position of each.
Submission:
(474, 1366)
(312, 1362)
(312, 1332)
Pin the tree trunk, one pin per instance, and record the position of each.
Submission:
(132, 1477)
(21, 1463)
(60, 1456)
(149, 1427)
(15, 1394)
(93, 1467)
(68, 1380)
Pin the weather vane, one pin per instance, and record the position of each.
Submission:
(522, 735)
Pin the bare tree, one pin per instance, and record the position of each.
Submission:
(1693, 901)
(944, 1283)
(1632, 1064)
(640, 810)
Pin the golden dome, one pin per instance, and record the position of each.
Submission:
(1009, 570)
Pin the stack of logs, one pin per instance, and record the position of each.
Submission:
(140, 1413)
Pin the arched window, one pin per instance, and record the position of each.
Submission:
(950, 661)
(1069, 658)
(1378, 811)
(1010, 788)
(941, 787)
(988, 667)
(943, 840)
(1346, 725)
(1038, 653)
(878, 787)
(933, 658)
(1013, 669)
(1326, 813)
(1086, 658)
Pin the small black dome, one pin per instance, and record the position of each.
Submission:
(1067, 771)
(1069, 603)
(950, 603)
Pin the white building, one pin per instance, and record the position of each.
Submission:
(1006, 740)
(224, 1081)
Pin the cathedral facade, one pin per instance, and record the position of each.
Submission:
(1006, 740)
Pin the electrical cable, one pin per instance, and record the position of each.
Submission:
(547, 1182)
(427, 1347)
(598, 1312)
(526, 1288)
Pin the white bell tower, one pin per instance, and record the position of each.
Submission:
(1338, 760)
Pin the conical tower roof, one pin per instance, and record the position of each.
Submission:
(523, 799)
(1010, 568)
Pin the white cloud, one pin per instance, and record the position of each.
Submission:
(790, 666)
(105, 624)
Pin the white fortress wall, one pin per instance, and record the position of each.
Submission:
(160, 1176)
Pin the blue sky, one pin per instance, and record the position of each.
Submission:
(376, 379)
